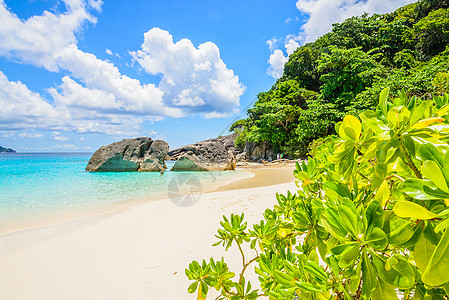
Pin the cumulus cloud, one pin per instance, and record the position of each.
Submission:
(21, 108)
(277, 59)
(323, 13)
(291, 46)
(94, 96)
(194, 79)
(105, 89)
(36, 39)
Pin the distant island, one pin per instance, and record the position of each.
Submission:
(6, 150)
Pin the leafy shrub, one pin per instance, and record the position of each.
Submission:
(369, 221)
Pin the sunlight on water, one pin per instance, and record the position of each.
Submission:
(38, 187)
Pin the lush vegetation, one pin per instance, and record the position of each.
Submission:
(344, 70)
(370, 219)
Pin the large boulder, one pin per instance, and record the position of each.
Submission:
(259, 151)
(227, 141)
(210, 155)
(139, 154)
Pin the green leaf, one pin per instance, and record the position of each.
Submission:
(349, 219)
(384, 291)
(380, 171)
(442, 225)
(383, 193)
(308, 287)
(408, 209)
(283, 278)
(352, 127)
(400, 230)
(383, 97)
(436, 272)
(395, 271)
(423, 252)
(374, 214)
(369, 276)
(398, 117)
(348, 256)
(431, 170)
(192, 288)
(423, 190)
(428, 151)
(419, 111)
(335, 223)
(377, 239)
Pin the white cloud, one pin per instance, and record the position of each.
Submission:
(277, 61)
(272, 44)
(324, 13)
(21, 108)
(94, 96)
(105, 88)
(58, 137)
(195, 80)
(36, 39)
(30, 135)
(291, 46)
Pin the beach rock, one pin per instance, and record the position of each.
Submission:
(259, 151)
(139, 154)
(154, 157)
(227, 141)
(210, 155)
(241, 156)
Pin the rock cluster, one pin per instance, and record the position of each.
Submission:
(209, 155)
(258, 151)
(139, 154)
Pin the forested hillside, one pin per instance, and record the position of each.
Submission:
(345, 70)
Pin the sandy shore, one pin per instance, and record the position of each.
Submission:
(138, 253)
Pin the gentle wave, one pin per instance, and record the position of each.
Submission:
(42, 188)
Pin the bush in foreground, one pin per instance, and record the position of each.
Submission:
(369, 220)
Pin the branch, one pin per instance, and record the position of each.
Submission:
(409, 162)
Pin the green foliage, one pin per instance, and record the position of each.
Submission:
(370, 218)
(441, 82)
(343, 72)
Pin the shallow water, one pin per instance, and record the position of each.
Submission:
(40, 188)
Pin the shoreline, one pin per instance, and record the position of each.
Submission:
(136, 253)
(257, 179)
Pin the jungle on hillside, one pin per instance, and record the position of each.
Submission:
(344, 71)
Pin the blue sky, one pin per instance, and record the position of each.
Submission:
(78, 74)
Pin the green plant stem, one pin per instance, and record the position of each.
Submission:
(244, 263)
(409, 162)
(363, 176)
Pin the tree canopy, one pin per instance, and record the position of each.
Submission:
(344, 70)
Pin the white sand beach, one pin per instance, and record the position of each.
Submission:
(138, 253)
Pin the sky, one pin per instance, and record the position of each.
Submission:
(79, 74)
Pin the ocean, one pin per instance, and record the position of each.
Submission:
(43, 188)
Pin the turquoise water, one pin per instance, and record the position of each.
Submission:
(36, 189)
